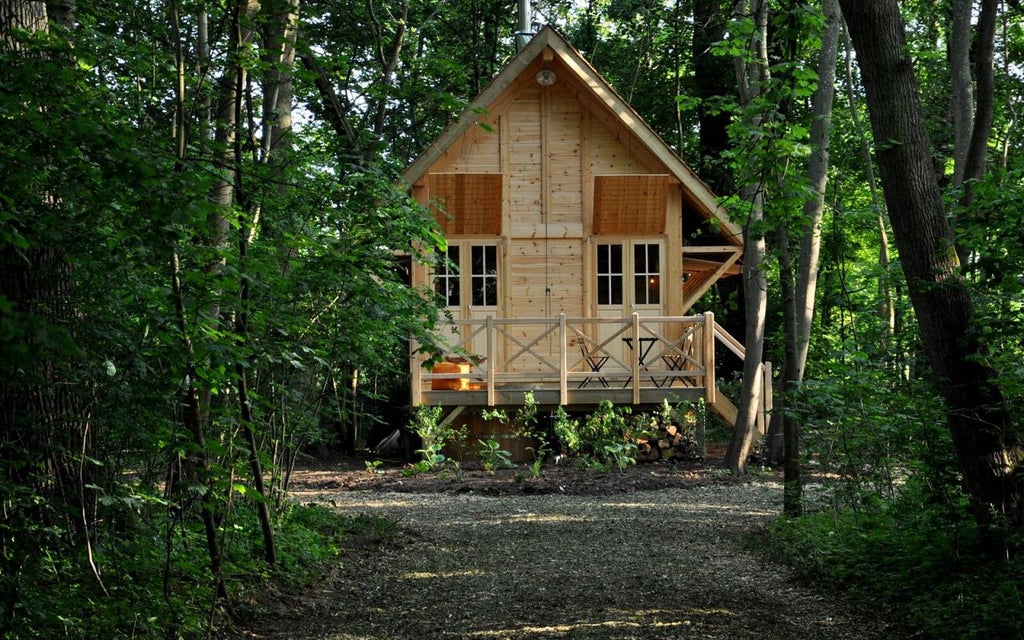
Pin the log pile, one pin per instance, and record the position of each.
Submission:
(669, 442)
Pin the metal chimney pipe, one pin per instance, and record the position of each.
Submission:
(525, 24)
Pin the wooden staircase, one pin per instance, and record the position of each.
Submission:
(723, 407)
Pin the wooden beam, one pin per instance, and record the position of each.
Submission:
(692, 296)
(723, 248)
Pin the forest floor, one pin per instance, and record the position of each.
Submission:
(657, 551)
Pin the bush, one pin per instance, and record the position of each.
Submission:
(917, 557)
(156, 582)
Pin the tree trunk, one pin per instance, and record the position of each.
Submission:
(752, 76)
(981, 129)
(248, 217)
(196, 465)
(810, 242)
(987, 447)
(799, 285)
(962, 85)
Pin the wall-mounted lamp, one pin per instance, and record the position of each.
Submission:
(546, 77)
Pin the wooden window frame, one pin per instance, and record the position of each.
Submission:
(483, 284)
(447, 280)
(646, 282)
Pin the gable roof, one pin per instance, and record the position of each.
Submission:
(697, 193)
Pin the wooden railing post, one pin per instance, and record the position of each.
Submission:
(492, 362)
(563, 386)
(416, 375)
(637, 350)
(709, 358)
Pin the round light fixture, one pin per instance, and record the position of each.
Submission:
(546, 77)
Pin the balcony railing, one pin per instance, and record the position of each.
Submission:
(573, 361)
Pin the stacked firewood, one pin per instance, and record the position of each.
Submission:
(668, 442)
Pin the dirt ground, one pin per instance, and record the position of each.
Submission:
(318, 476)
(656, 551)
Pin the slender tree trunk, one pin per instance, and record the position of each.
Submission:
(810, 242)
(986, 444)
(981, 131)
(752, 76)
(248, 218)
(962, 85)
(196, 465)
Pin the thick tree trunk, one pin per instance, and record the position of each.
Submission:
(987, 447)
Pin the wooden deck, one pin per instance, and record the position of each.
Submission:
(578, 362)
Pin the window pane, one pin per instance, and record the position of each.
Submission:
(639, 259)
(646, 274)
(446, 278)
(609, 274)
(484, 275)
(616, 290)
(616, 259)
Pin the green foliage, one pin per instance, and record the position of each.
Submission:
(608, 425)
(916, 558)
(492, 456)
(990, 237)
(436, 435)
(155, 584)
(621, 454)
(610, 436)
(855, 426)
(523, 421)
(567, 431)
(540, 453)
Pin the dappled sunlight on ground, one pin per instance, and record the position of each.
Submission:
(611, 557)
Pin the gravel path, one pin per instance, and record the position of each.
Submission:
(647, 564)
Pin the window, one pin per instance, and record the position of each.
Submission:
(446, 278)
(646, 274)
(644, 270)
(484, 276)
(609, 274)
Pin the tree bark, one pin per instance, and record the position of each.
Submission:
(962, 85)
(987, 447)
(752, 76)
(196, 465)
(981, 129)
(810, 244)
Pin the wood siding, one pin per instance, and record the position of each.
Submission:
(550, 158)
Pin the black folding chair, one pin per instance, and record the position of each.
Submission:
(594, 361)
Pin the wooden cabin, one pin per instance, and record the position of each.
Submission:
(580, 243)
